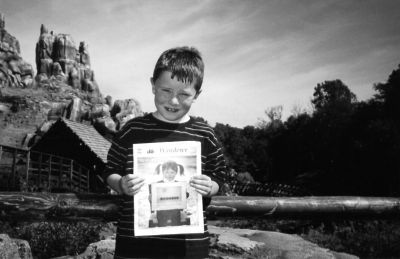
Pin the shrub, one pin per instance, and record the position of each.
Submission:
(52, 239)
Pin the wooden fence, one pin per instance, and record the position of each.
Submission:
(68, 206)
(51, 172)
(22, 169)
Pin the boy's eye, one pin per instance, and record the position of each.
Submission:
(184, 95)
(166, 90)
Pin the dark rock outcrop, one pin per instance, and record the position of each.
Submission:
(14, 71)
(57, 58)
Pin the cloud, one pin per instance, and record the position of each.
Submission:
(257, 53)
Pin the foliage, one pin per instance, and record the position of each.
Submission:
(371, 239)
(52, 239)
(389, 94)
(274, 115)
(345, 147)
(332, 95)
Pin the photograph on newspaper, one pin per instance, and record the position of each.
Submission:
(167, 204)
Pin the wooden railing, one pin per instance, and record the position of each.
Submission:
(9, 166)
(22, 169)
(53, 172)
(68, 206)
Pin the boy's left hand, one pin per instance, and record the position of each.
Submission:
(202, 184)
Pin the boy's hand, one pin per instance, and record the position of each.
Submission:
(130, 184)
(202, 184)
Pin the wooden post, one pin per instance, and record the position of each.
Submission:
(1, 151)
(80, 178)
(49, 175)
(60, 171)
(87, 180)
(40, 167)
(28, 164)
(13, 168)
(70, 175)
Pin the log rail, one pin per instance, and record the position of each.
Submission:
(70, 206)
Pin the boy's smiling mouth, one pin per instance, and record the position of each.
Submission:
(171, 109)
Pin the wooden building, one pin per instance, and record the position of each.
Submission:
(70, 156)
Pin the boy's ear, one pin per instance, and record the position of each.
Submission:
(153, 87)
(197, 94)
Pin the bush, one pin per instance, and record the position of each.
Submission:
(367, 239)
(52, 239)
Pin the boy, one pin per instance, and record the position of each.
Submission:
(176, 84)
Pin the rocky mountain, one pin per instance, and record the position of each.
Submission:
(14, 71)
(64, 86)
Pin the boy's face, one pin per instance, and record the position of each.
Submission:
(172, 98)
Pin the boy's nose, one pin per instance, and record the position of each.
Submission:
(174, 100)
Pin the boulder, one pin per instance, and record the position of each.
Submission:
(74, 109)
(58, 110)
(103, 249)
(105, 126)
(8, 248)
(124, 110)
(235, 243)
(14, 248)
(229, 243)
(24, 248)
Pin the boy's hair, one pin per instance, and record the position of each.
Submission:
(183, 62)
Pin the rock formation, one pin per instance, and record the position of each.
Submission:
(64, 86)
(57, 58)
(14, 71)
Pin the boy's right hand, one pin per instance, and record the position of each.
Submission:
(130, 184)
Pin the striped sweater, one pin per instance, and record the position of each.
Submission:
(148, 129)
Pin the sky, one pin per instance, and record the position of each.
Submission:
(257, 54)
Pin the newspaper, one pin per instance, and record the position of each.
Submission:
(166, 204)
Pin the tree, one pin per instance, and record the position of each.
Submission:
(274, 115)
(333, 96)
(389, 93)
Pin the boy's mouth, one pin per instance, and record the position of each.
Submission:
(171, 109)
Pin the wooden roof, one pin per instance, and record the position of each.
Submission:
(88, 136)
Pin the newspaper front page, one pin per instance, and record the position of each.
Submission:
(166, 204)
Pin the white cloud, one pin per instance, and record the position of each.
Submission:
(258, 53)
